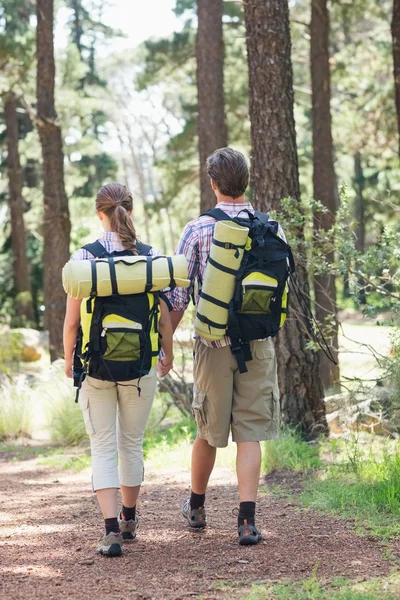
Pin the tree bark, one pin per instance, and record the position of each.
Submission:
(359, 185)
(212, 130)
(324, 182)
(396, 58)
(275, 176)
(22, 284)
(57, 226)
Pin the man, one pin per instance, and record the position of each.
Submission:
(224, 399)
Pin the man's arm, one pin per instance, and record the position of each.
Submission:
(179, 298)
(176, 318)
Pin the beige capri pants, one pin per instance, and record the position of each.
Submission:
(115, 419)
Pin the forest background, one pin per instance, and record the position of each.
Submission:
(320, 126)
(94, 91)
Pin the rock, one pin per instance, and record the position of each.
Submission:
(87, 561)
(31, 349)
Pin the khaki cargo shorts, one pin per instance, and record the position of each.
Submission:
(224, 399)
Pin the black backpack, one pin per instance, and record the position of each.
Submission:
(259, 305)
(118, 339)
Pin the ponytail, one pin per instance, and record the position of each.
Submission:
(122, 224)
(114, 200)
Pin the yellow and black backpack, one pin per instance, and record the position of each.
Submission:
(118, 339)
(259, 305)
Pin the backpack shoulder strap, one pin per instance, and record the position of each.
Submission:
(96, 249)
(143, 249)
(217, 214)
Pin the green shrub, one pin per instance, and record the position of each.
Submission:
(11, 345)
(66, 422)
(371, 495)
(290, 452)
(16, 409)
(176, 433)
(64, 417)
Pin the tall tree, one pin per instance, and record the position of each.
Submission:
(57, 223)
(211, 127)
(396, 58)
(274, 177)
(22, 283)
(324, 184)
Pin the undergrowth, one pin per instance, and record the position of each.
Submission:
(338, 588)
(16, 408)
(359, 478)
(290, 452)
(368, 491)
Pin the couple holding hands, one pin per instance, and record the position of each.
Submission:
(224, 400)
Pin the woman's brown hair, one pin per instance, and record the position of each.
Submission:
(115, 201)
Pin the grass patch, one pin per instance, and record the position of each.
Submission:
(66, 422)
(367, 491)
(174, 434)
(337, 589)
(361, 479)
(290, 452)
(16, 409)
(61, 461)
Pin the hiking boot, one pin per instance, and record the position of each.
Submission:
(196, 518)
(111, 544)
(249, 535)
(128, 528)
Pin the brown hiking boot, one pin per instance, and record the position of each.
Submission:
(111, 544)
(249, 535)
(196, 518)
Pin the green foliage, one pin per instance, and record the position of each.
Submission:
(338, 589)
(184, 430)
(366, 489)
(10, 349)
(16, 409)
(65, 421)
(290, 452)
(61, 459)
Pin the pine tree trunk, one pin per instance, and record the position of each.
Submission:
(212, 131)
(324, 182)
(57, 224)
(396, 58)
(359, 185)
(275, 176)
(22, 284)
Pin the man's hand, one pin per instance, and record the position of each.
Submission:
(164, 366)
(68, 368)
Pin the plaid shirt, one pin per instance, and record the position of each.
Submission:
(195, 244)
(110, 241)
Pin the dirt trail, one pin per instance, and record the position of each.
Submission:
(50, 523)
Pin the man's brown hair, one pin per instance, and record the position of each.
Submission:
(229, 170)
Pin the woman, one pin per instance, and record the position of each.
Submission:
(116, 414)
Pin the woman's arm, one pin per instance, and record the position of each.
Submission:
(166, 332)
(71, 326)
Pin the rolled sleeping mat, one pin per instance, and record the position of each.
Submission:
(124, 275)
(226, 255)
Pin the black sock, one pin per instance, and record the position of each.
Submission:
(197, 500)
(111, 525)
(247, 511)
(129, 514)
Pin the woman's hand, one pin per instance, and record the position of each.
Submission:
(164, 365)
(68, 368)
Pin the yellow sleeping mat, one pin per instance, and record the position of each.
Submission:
(133, 275)
(219, 280)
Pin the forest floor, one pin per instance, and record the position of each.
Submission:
(50, 524)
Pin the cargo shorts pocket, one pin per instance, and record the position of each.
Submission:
(263, 350)
(84, 405)
(276, 413)
(199, 408)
